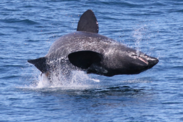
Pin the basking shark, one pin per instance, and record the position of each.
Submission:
(89, 51)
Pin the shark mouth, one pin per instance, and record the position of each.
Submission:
(143, 60)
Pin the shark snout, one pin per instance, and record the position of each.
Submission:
(148, 60)
(152, 61)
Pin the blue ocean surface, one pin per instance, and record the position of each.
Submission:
(29, 27)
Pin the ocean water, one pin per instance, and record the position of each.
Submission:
(29, 27)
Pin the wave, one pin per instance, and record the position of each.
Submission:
(24, 21)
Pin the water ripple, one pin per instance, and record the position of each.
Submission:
(24, 21)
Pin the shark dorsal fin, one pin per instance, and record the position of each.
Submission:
(88, 22)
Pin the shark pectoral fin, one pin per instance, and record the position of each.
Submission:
(88, 22)
(40, 63)
(94, 68)
(84, 59)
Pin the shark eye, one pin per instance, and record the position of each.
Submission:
(134, 56)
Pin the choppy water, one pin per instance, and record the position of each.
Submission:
(29, 27)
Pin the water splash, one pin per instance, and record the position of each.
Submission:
(138, 35)
(76, 80)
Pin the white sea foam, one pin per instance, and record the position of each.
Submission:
(76, 80)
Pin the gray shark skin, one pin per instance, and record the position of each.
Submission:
(89, 51)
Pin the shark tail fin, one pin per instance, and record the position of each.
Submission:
(40, 63)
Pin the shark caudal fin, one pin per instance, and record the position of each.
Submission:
(88, 22)
(40, 63)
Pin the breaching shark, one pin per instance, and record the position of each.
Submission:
(89, 51)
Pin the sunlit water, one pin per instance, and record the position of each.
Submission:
(29, 27)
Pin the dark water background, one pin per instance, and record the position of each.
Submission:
(29, 27)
